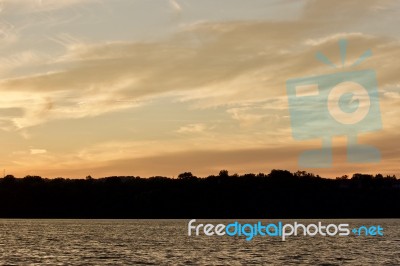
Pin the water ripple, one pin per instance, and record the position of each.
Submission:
(165, 242)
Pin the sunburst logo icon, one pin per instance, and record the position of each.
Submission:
(342, 103)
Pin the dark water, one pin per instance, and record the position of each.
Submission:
(165, 242)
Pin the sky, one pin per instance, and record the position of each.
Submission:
(160, 87)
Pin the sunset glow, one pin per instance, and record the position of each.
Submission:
(100, 88)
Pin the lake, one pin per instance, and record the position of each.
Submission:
(166, 242)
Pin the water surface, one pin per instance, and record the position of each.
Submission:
(165, 242)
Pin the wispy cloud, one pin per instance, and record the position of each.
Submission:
(224, 71)
(192, 128)
(174, 4)
(38, 151)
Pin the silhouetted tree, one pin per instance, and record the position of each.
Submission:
(223, 173)
(186, 176)
(9, 177)
(32, 178)
(364, 177)
(280, 175)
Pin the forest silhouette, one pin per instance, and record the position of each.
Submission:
(279, 194)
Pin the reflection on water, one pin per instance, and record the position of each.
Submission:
(77, 242)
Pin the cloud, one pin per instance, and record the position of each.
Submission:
(192, 128)
(174, 4)
(37, 151)
(21, 60)
(209, 64)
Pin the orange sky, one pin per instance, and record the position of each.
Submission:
(92, 87)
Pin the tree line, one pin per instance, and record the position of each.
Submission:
(279, 194)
